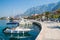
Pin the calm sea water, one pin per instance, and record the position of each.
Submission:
(27, 36)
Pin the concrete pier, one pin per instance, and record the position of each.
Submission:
(50, 31)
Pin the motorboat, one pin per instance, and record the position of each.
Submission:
(15, 27)
(25, 21)
(12, 24)
(16, 30)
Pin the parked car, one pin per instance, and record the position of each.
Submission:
(59, 19)
(51, 19)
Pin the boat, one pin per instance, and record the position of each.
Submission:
(12, 24)
(16, 30)
(15, 27)
(24, 21)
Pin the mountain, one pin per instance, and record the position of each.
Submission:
(40, 9)
(57, 6)
(44, 8)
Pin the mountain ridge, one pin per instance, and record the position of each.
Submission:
(41, 9)
(44, 8)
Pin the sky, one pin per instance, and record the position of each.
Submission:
(15, 7)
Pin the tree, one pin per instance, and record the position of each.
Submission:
(11, 19)
(47, 14)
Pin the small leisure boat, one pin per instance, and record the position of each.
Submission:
(16, 30)
(12, 24)
(17, 27)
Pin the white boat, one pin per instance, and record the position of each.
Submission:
(25, 21)
(17, 30)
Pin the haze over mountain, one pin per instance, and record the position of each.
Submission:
(43, 8)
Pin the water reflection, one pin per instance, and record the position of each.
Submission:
(31, 35)
(19, 36)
